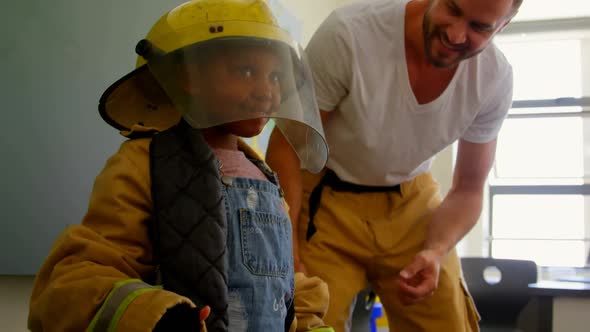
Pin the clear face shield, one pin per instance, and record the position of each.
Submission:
(235, 79)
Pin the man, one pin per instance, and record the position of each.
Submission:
(398, 81)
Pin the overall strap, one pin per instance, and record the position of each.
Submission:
(270, 174)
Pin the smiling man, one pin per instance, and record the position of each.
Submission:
(398, 81)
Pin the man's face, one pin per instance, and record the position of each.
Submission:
(455, 30)
(241, 88)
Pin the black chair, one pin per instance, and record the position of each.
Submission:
(499, 288)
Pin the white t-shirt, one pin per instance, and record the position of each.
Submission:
(379, 134)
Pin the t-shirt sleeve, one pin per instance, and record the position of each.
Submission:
(488, 121)
(330, 59)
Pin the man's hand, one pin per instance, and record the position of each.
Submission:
(419, 279)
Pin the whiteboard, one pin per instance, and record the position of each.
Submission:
(57, 58)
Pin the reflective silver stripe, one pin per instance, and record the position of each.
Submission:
(112, 305)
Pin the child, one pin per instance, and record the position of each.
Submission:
(186, 227)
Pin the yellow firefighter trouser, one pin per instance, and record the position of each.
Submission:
(370, 237)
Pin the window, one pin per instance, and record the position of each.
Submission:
(539, 188)
(550, 9)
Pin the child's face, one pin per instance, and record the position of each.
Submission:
(243, 83)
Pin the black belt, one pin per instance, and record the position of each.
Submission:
(331, 179)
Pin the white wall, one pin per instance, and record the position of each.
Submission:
(14, 302)
(311, 13)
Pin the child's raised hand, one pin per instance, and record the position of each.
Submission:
(203, 314)
(183, 317)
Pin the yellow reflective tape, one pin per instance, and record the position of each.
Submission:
(111, 305)
(124, 304)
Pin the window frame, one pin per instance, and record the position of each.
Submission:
(495, 189)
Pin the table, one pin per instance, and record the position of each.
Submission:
(561, 306)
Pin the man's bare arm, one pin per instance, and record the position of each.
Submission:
(462, 206)
(281, 157)
(457, 214)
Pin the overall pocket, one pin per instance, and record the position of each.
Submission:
(266, 243)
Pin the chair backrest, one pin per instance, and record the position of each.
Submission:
(499, 287)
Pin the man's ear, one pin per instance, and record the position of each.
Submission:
(508, 20)
(504, 25)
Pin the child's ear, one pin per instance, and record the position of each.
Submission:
(190, 81)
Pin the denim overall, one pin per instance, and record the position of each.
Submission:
(260, 259)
